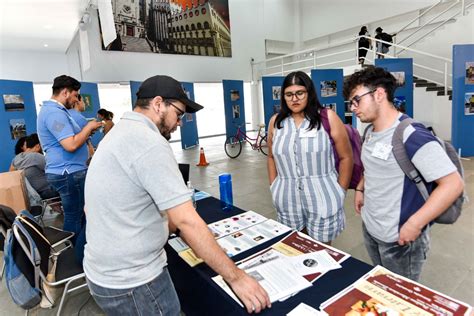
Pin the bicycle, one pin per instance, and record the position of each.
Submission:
(233, 144)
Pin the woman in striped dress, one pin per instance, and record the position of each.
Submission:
(307, 191)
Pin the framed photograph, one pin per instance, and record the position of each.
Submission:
(87, 102)
(234, 95)
(17, 128)
(276, 108)
(184, 27)
(13, 102)
(399, 77)
(276, 92)
(331, 106)
(469, 72)
(328, 88)
(469, 103)
(236, 111)
(400, 102)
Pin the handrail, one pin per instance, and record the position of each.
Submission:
(430, 20)
(437, 27)
(407, 48)
(419, 16)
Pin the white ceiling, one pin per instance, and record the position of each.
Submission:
(39, 25)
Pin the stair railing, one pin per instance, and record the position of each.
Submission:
(462, 11)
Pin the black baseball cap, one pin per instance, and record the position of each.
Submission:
(379, 29)
(167, 88)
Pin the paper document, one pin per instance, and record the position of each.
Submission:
(305, 310)
(313, 262)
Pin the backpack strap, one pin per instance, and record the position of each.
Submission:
(401, 156)
(34, 254)
(366, 130)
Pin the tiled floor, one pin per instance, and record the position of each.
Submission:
(449, 268)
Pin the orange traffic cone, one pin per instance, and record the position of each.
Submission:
(202, 159)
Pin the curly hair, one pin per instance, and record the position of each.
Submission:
(313, 106)
(371, 77)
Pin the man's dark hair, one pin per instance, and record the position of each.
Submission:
(67, 82)
(79, 97)
(143, 103)
(372, 78)
(20, 142)
(32, 140)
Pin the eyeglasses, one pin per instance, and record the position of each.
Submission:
(300, 95)
(180, 113)
(356, 99)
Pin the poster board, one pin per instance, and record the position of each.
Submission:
(271, 87)
(234, 106)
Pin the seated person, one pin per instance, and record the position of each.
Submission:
(32, 161)
(20, 145)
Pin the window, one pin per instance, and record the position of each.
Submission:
(190, 14)
(206, 25)
(187, 27)
(193, 27)
(185, 15)
(203, 11)
(196, 12)
(199, 26)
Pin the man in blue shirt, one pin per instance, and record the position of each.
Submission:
(64, 143)
(75, 112)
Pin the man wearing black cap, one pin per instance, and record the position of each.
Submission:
(134, 195)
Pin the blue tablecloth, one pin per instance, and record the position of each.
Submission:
(199, 295)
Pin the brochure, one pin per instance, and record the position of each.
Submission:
(295, 244)
(277, 277)
(382, 292)
(237, 242)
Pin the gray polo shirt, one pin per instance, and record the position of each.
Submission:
(132, 179)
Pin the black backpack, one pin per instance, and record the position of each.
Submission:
(387, 38)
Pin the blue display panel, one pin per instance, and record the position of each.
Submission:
(234, 106)
(329, 85)
(90, 95)
(17, 117)
(271, 87)
(402, 70)
(134, 85)
(463, 99)
(189, 131)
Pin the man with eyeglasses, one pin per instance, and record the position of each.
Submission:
(135, 197)
(395, 216)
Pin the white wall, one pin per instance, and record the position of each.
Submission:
(247, 41)
(32, 66)
(325, 17)
(279, 19)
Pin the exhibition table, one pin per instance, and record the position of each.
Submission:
(200, 295)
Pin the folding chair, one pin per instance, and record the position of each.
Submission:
(67, 270)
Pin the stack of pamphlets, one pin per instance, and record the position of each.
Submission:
(382, 292)
(288, 266)
(235, 235)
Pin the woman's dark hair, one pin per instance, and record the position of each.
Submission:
(313, 106)
(19, 144)
(372, 78)
(106, 114)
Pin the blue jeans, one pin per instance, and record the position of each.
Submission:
(71, 189)
(405, 260)
(157, 297)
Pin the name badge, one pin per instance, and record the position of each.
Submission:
(382, 151)
(304, 133)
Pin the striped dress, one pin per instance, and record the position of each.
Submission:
(306, 192)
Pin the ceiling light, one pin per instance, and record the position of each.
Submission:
(48, 27)
(45, 45)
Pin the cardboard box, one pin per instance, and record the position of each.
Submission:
(13, 190)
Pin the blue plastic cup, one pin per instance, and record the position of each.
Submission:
(225, 188)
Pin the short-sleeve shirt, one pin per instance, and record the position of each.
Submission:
(390, 197)
(54, 124)
(78, 117)
(131, 182)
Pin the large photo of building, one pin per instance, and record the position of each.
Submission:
(190, 27)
